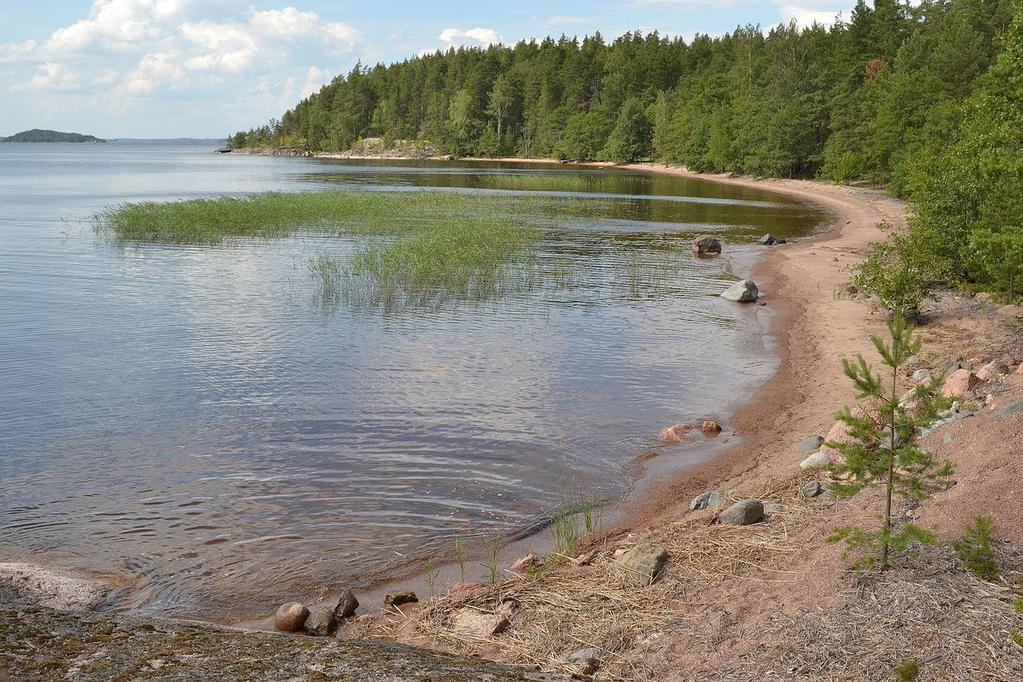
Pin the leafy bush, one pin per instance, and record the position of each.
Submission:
(896, 272)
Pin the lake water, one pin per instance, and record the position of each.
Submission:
(195, 419)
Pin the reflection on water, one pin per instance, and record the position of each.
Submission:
(192, 417)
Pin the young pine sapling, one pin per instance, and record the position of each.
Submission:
(881, 448)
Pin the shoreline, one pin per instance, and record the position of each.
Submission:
(651, 497)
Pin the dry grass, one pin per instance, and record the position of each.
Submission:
(566, 607)
(955, 626)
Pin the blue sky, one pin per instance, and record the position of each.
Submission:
(203, 68)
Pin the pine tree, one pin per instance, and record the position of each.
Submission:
(882, 451)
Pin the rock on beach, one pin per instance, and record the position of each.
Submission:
(644, 563)
(290, 617)
(743, 513)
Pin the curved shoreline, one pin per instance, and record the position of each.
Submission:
(650, 497)
(813, 330)
(808, 386)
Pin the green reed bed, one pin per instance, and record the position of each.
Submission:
(420, 246)
(277, 214)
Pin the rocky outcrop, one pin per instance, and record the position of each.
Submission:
(745, 291)
(58, 645)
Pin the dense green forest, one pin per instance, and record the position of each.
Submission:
(926, 100)
(37, 135)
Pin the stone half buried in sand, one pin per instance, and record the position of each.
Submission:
(643, 563)
(745, 291)
(472, 623)
(706, 246)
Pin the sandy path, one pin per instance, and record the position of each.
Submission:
(814, 329)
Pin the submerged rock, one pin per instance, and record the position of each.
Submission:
(745, 291)
(769, 240)
(706, 245)
(710, 427)
(644, 563)
(677, 433)
(743, 513)
(709, 499)
(290, 617)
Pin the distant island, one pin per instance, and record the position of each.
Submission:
(37, 135)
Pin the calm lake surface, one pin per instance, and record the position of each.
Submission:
(195, 419)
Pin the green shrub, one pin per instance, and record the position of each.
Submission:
(907, 670)
(974, 549)
(896, 272)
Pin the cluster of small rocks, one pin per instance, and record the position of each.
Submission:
(321, 620)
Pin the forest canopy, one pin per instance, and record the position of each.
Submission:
(925, 100)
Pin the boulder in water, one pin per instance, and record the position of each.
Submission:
(745, 291)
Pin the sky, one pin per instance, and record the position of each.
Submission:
(206, 68)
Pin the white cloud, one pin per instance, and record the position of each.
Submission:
(141, 46)
(806, 12)
(51, 76)
(153, 71)
(473, 37)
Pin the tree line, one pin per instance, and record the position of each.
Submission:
(924, 99)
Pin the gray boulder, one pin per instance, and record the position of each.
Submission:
(808, 444)
(1010, 409)
(743, 513)
(644, 562)
(745, 291)
(811, 489)
(921, 376)
(706, 246)
(768, 240)
(709, 499)
(816, 460)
